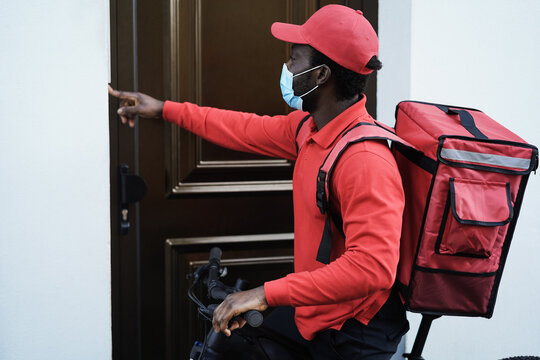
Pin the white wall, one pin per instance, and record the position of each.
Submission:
(54, 180)
(394, 79)
(482, 54)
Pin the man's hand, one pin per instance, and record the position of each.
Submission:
(236, 304)
(135, 103)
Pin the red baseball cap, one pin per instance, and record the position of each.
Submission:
(339, 32)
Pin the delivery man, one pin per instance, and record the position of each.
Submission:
(346, 309)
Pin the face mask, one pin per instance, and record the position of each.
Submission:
(287, 91)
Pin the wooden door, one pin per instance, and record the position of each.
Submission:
(213, 53)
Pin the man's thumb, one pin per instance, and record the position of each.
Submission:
(129, 111)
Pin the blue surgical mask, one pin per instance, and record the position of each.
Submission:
(286, 83)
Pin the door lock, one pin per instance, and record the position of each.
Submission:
(132, 189)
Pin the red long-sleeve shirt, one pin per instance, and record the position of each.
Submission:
(366, 191)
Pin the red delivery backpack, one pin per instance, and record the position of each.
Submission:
(464, 176)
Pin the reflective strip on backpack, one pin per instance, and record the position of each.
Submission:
(485, 159)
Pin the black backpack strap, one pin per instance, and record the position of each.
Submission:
(466, 119)
(360, 132)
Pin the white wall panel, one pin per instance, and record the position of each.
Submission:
(54, 182)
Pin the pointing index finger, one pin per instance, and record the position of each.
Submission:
(124, 94)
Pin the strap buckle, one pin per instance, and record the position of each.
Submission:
(321, 191)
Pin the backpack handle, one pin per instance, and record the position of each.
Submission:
(466, 119)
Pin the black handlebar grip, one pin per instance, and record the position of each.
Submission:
(253, 318)
(213, 270)
(215, 255)
(217, 293)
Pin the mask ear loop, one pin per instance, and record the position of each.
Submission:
(306, 71)
(316, 86)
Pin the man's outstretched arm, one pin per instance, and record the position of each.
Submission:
(267, 135)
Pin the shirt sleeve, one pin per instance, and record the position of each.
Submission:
(273, 136)
(366, 188)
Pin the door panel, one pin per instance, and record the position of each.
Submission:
(213, 53)
(232, 61)
(253, 258)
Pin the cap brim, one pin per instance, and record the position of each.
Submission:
(288, 32)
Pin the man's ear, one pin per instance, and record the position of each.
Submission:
(323, 74)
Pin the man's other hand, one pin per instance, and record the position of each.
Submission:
(135, 103)
(236, 304)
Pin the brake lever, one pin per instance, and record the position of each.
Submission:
(197, 273)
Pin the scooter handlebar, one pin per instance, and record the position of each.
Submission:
(215, 256)
(253, 317)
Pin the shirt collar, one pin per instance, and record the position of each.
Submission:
(329, 133)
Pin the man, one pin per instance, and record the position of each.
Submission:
(344, 309)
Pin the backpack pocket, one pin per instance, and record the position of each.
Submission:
(474, 213)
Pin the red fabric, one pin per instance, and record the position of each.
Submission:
(456, 233)
(422, 124)
(483, 201)
(439, 195)
(366, 188)
(476, 201)
(359, 132)
(489, 149)
(450, 293)
(418, 179)
(339, 32)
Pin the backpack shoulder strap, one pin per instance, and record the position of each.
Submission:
(360, 132)
(302, 132)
